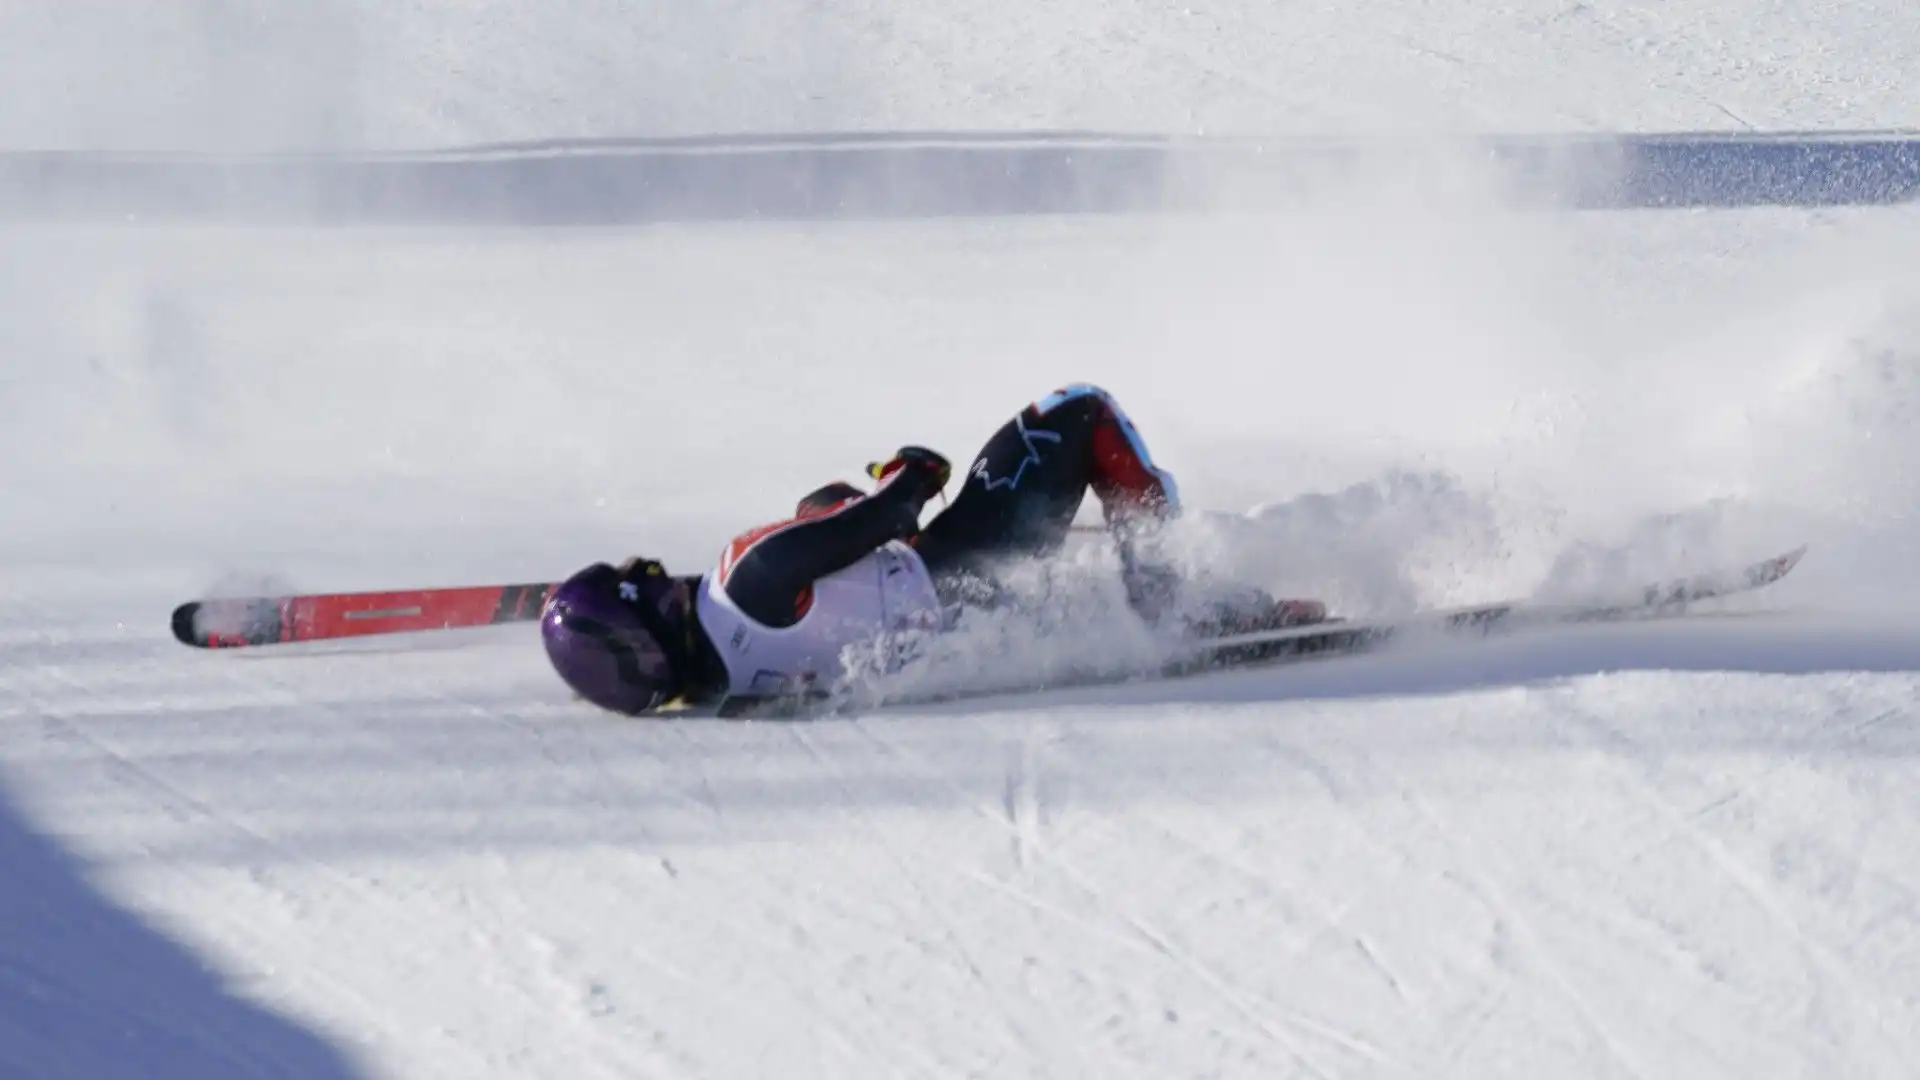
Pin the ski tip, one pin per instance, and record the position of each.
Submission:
(186, 618)
(1780, 565)
(226, 624)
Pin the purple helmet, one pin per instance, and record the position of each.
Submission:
(620, 637)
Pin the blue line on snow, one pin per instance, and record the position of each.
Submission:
(906, 174)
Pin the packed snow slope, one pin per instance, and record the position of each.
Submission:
(1681, 850)
(358, 74)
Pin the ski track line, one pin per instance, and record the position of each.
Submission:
(654, 1053)
(1022, 802)
(1702, 814)
(1133, 942)
(1465, 1032)
(606, 790)
(583, 990)
(1838, 971)
(1671, 943)
(1338, 789)
(1016, 1032)
(577, 994)
(597, 788)
(1121, 934)
(1332, 919)
(1681, 959)
(708, 797)
(1487, 893)
(904, 1045)
(1372, 956)
(1328, 921)
(420, 926)
(1234, 996)
(1295, 946)
(1494, 897)
(183, 808)
(1026, 809)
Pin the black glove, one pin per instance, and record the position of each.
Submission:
(927, 471)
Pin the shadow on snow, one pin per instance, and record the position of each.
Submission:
(89, 991)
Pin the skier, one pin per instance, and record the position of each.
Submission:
(774, 614)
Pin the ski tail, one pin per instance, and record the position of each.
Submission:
(240, 622)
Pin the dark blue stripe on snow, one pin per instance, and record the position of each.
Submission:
(909, 175)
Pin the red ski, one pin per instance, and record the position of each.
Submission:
(275, 620)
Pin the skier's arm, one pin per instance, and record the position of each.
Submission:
(769, 581)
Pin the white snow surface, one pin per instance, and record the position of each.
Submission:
(220, 75)
(1682, 850)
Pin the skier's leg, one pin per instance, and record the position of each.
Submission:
(1029, 479)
